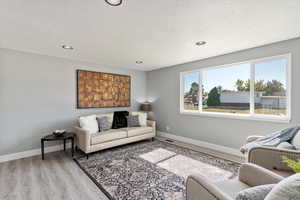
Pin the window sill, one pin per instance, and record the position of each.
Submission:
(267, 118)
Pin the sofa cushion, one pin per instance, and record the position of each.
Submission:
(231, 187)
(112, 134)
(287, 189)
(109, 116)
(142, 117)
(286, 145)
(134, 131)
(296, 140)
(89, 124)
(255, 193)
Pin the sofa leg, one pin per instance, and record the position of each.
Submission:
(152, 139)
(87, 156)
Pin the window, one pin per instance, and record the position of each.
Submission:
(270, 87)
(222, 94)
(257, 89)
(191, 91)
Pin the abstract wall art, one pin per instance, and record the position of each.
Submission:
(102, 90)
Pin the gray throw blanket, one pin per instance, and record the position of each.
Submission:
(286, 135)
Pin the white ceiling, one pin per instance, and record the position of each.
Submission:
(159, 32)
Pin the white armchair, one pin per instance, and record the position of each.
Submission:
(250, 175)
(270, 157)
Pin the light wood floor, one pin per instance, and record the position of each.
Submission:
(57, 177)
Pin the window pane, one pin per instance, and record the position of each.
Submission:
(270, 87)
(227, 89)
(191, 91)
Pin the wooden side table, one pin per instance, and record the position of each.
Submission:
(64, 138)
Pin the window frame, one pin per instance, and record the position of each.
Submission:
(251, 115)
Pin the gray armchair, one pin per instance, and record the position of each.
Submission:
(250, 175)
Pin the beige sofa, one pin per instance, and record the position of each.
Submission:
(250, 175)
(89, 143)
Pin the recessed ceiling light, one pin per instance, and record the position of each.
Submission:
(67, 47)
(114, 2)
(200, 43)
(139, 62)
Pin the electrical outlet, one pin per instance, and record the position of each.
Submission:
(168, 128)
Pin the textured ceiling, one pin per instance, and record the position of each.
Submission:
(161, 33)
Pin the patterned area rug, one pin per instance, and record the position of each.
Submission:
(151, 170)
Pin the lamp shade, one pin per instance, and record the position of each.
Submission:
(146, 107)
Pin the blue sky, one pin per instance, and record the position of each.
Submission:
(226, 77)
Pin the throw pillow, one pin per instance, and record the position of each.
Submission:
(133, 121)
(286, 145)
(255, 193)
(287, 189)
(120, 119)
(89, 124)
(103, 123)
(142, 117)
(296, 140)
(110, 117)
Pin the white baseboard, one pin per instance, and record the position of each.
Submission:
(33, 152)
(207, 145)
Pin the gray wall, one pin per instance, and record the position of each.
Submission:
(38, 95)
(163, 89)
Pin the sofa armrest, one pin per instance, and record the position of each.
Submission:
(152, 124)
(271, 157)
(252, 138)
(254, 175)
(83, 139)
(199, 187)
